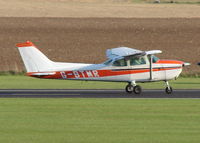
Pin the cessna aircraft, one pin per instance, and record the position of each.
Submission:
(123, 65)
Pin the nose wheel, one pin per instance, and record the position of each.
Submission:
(168, 89)
(133, 88)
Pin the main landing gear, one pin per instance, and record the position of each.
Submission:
(132, 87)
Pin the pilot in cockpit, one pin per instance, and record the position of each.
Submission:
(137, 61)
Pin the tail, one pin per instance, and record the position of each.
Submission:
(34, 60)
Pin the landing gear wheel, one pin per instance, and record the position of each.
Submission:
(169, 90)
(129, 88)
(137, 89)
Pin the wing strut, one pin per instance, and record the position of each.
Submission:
(151, 68)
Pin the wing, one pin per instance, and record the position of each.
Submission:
(152, 52)
(125, 52)
(122, 52)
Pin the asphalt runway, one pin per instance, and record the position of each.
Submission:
(77, 93)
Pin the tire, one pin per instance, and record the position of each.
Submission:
(129, 88)
(169, 90)
(137, 89)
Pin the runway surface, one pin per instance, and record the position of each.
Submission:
(77, 93)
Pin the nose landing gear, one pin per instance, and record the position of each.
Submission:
(168, 88)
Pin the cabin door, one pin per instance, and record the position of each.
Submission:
(139, 68)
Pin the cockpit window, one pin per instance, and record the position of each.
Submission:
(137, 61)
(121, 62)
(154, 58)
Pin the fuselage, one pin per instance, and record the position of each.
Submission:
(161, 70)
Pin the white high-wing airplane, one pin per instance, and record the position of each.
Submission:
(123, 65)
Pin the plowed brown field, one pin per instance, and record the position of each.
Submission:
(97, 8)
(86, 39)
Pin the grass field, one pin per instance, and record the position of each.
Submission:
(99, 120)
(24, 82)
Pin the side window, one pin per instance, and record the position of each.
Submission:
(137, 61)
(154, 58)
(121, 62)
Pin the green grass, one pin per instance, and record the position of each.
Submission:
(99, 120)
(24, 82)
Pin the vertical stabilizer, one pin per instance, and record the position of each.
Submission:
(34, 60)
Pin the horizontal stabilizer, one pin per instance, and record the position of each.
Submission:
(43, 73)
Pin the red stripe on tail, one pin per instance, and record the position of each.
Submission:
(26, 44)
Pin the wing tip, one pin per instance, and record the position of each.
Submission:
(26, 44)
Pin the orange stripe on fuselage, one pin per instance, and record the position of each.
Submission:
(169, 62)
(95, 73)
